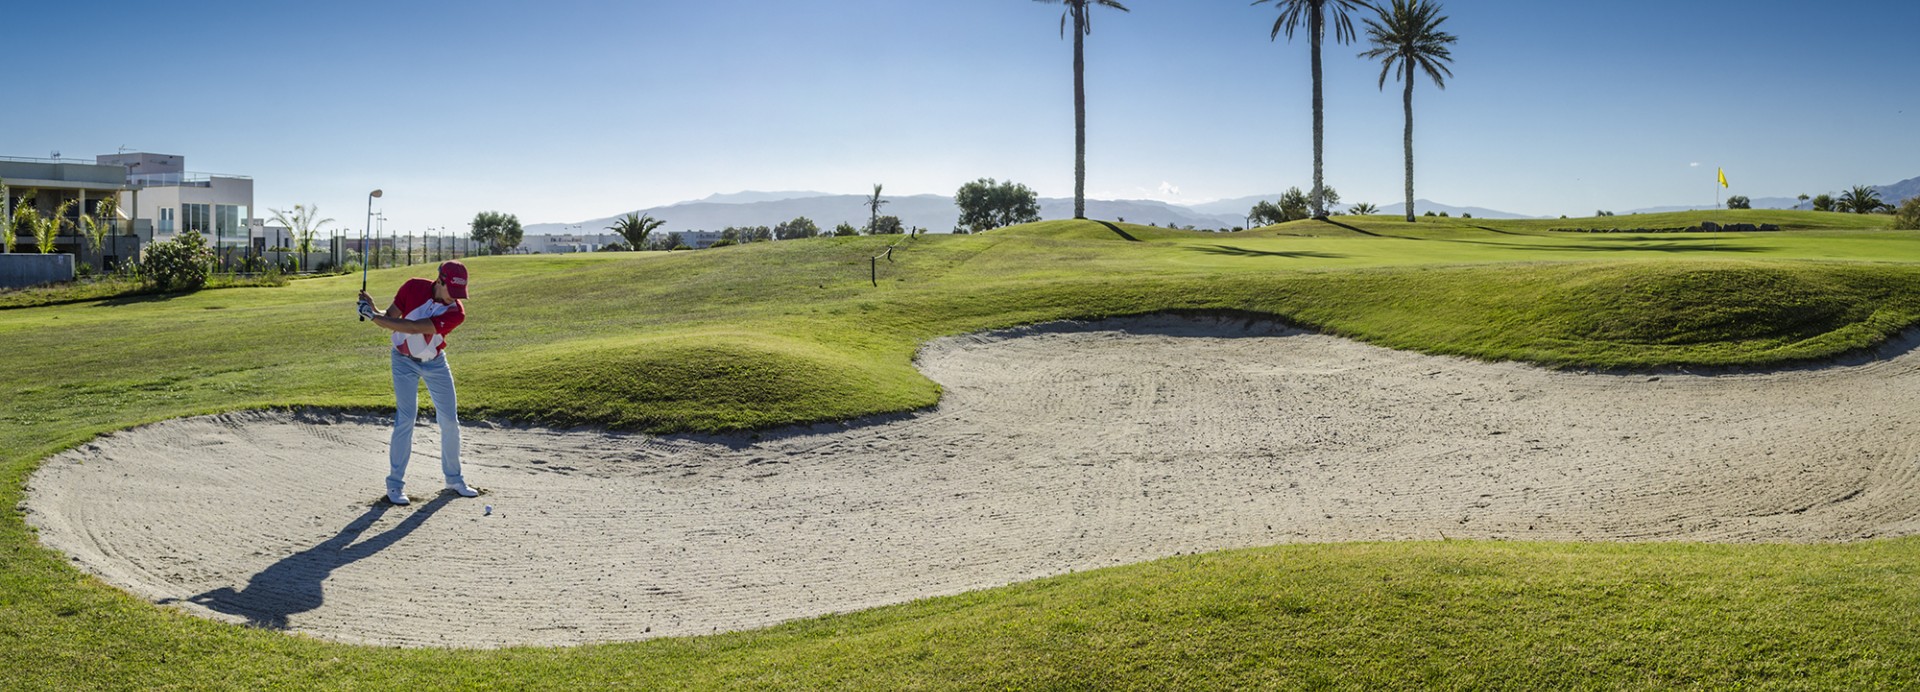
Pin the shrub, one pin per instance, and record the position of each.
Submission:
(180, 264)
(723, 242)
(1739, 202)
(1466, 215)
(1908, 217)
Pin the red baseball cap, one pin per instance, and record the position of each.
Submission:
(455, 275)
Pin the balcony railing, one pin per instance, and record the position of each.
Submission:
(189, 179)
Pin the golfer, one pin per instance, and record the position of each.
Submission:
(422, 314)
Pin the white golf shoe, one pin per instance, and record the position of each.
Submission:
(398, 498)
(462, 490)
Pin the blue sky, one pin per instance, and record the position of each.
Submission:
(561, 110)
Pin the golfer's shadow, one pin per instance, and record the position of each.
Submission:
(293, 585)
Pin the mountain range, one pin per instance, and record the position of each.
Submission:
(938, 214)
(1891, 194)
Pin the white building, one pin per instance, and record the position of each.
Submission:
(171, 200)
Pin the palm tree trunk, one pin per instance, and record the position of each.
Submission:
(1409, 103)
(1079, 113)
(1319, 117)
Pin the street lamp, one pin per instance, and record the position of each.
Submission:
(363, 243)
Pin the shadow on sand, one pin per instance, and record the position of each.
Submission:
(293, 585)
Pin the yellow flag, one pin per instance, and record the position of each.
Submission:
(1723, 177)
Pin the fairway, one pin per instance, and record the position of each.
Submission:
(1493, 372)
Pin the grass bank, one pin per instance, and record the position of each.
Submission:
(776, 333)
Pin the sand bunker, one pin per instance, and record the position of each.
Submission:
(1057, 448)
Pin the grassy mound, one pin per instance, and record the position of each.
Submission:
(1698, 305)
(699, 382)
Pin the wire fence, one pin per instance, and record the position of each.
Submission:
(329, 254)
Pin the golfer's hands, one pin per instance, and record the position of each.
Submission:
(366, 308)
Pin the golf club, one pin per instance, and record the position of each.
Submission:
(363, 244)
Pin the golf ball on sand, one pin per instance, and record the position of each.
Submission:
(488, 511)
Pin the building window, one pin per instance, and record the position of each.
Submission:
(166, 220)
(226, 221)
(196, 217)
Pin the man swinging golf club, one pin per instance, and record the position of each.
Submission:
(422, 314)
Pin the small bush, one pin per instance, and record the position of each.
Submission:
(181, 264)
(723, 242)
(1908, 217)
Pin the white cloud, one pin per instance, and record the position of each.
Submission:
(1695, 164)
(1169, 189)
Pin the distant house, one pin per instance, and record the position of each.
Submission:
(159, 199)
(172, 200)
(53, 181)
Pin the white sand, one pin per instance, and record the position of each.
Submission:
(1055, 449)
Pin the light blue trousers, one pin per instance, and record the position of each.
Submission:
(407, 374)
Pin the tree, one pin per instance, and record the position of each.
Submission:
(845, 229)
(1860, 200)
(986, 205)
(1908, 217)
(634, 229)
(799, 227)
(1739, 202)
(106, 215)
(1407, 40)
(1265, 213)
(887, 225)
(1295, 205)
(303, 227)
(46, 229)
(1803, 198)
(6, 217)
(497, 230)
(742, 235)
(874, 203)
(1078, 10)
(1363, 209)
(1314, 14)
(673, 242)
(1823, 202)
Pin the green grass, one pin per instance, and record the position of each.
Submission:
(111, 287)
(770, 334)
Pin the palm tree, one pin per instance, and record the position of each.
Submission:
(1860, 200)
(1315, 13)
(302, 225)
(1082, 26)
(1363, 209)
(635, 228)
(874, 203)
(1408, 40)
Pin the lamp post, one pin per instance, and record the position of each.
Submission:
(371, 196)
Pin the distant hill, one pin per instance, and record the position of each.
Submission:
(750, 196)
